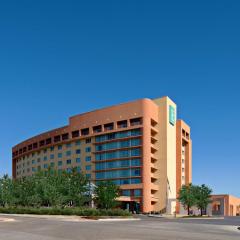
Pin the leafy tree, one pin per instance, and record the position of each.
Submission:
(6, 191)
(45, 188)
(76, 186)
(187, 196)
(203, 196)
(106, 194)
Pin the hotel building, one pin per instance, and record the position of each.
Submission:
(139, 145)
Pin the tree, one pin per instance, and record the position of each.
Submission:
(106, 194)
(187, 196)
(77, 187)
(6, 191)
(202, 196)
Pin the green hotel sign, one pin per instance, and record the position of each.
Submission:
(172, 115)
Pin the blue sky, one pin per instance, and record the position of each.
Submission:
(60, 58)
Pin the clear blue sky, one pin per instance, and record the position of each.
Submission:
(60, 58)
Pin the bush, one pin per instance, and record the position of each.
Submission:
(65, 211)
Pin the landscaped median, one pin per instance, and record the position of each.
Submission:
(84, 212)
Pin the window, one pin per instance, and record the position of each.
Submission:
(118, 164)
(135, 172)
(51, 149)
(45, 158)
(88, 167)
(75, 134)
(69, 170)
(59, 155)
(135, 152)
(69, 161)
(52, 156)
(35, 145)
(118, 174)
(68, 145)
(126, 192)
(78, 169)
(88, 140)
(78, 160)
(78, 151)
(108, 126)
(77, 143)
(57, 138)
(118, 144)
(97, 129)
(122, 124)
(118, 154)
(33, 169)
(45, 166)
(41, 143)
(59, 163)
(52, 164)
(68, 153)
(48, 141)
(88, 149)
(135, 180)
(118, 135)
(33, 161)
(85, 131)
(88, 176)
(137, 192)
(65, 136)
(39, 160)
(88, 158)
(59, 147)
(135, 121)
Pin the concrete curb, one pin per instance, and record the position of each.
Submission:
(65, 218)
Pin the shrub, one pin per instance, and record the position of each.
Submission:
(65, 211)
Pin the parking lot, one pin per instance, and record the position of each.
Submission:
(56, 228)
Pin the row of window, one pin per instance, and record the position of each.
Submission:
(118, 164)
(118, 154)
(123, 134)
(68, 170)
(78, 133)
(128, 192)
(119, 144)
(51, 165)
(48, 141)
(124, 181)
(59, 147)
(119, 173)
(69, 161)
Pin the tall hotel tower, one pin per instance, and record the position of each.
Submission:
(139, 145)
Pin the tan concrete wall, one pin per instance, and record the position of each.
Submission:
(167, 155)
(186, 156)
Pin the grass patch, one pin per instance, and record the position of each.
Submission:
(66, 211)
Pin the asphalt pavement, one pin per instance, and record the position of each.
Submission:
(74, 228)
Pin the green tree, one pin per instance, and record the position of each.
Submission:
(76, 188)
(6, 191)
(106, 194)
(187, 196)
(203, 197)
